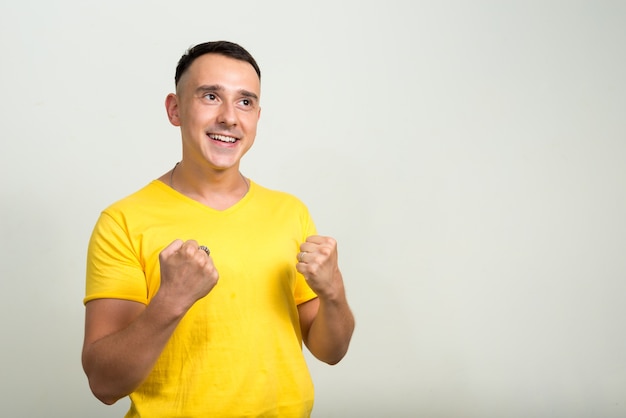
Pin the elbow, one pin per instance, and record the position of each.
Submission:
(333, 356)
(106, 401)
(103, 396)
(332, 362)
(103, 392)
(333, 351)
(100, 385)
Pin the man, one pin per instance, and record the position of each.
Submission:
(202, 286)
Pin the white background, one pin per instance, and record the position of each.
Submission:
(468, 156)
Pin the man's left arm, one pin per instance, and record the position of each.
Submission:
(327, 322)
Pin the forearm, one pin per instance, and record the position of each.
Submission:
(330, 333)
(118, 363)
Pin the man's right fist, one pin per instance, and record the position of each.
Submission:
(187, 272)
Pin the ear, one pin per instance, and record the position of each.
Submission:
(171, 106)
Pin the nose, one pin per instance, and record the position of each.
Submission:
(227, 115)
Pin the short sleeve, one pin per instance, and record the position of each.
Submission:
(114, 268)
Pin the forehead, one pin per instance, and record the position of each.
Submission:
(216, 69)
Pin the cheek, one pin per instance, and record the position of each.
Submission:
(251, 124)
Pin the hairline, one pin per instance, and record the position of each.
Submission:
(185, 73)
(224, 48)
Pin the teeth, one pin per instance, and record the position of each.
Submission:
(223, 138)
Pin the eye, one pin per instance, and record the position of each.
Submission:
(247, 103)
(210, 96)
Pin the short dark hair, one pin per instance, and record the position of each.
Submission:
(226, 48)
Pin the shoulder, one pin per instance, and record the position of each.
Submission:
(276, 197)
(283, 207)
(138, 206)
(152, 193)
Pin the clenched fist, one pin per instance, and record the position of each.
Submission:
(317, 261)
(187, 273)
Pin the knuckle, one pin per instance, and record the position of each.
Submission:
(326, 251)
(313, 269)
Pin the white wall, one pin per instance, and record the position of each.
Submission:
(468, 156)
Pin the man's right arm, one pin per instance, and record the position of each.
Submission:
(124, 339)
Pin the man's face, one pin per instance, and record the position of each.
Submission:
(217, 108)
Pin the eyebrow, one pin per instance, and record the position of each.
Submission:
(216, 88)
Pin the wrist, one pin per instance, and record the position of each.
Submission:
(334, 292)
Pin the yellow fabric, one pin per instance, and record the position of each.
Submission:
(238, 351)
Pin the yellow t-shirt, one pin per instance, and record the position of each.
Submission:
(238, 351)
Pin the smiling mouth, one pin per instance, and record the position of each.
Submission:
(223, 138)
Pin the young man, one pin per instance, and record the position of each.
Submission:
(202, 286)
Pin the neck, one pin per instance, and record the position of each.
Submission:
(219, 189)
